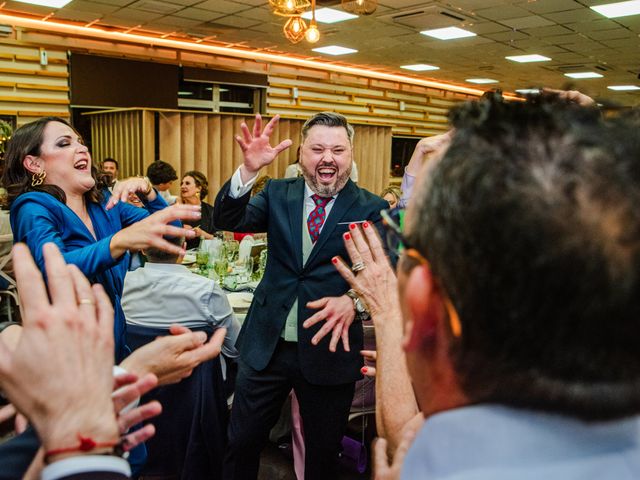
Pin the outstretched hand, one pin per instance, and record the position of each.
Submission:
(338, 315)
(256, 146)
(149, 232)
(60, 374)
(130, 186)
(376, 284)
(173, 357)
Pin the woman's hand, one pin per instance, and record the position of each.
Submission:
(376, 284)
(149, 231)
(124, 188)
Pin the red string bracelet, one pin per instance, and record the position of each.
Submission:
(86, 445)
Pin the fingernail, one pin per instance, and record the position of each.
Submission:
(196, 214)
(334, 260)
(352, 226)
(347, 236)
(365, 224)
(202, 337)
(364, 369)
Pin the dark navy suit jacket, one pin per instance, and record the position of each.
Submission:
(278, 210)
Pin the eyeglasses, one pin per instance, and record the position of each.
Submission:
(393, 222)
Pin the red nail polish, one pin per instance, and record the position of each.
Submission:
(347, 236)
(365, 224)
(364, 369)
(352, 226)
(334, 260)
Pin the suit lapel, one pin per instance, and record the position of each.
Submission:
(295, 208)
(341, 206)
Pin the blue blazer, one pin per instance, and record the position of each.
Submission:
(38, 218)
(278, 210)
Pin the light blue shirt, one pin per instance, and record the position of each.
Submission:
(160, 294)
(491, 442)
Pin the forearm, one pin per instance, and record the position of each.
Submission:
(396, 403)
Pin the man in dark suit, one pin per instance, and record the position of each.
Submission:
(300, 332)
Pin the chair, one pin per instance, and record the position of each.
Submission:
(7, 283)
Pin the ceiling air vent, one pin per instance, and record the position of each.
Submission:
(428, 17)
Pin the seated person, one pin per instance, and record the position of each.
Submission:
(391, 194)
(162, 175)
(194, 188)
(155, 296)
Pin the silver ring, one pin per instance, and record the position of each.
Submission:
(358, 267)
(85, 301)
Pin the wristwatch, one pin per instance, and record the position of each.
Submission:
(362, 312)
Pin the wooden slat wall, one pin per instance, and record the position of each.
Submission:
(119, 135)
(407, 108)
(206, 142)
(29, 90)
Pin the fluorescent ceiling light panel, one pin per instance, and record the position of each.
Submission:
(528, 58)
(47, 3)
(618, 9)
(623, 88)
(420, 67)
(583, 75)
(329, 15)
(334, 50)
(481, 80)
(448, 33)
(528, 91)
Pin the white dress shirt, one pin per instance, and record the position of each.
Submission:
(160, 294)
(237, 189)
(86, 464)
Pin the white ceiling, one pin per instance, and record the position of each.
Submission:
(574, 36)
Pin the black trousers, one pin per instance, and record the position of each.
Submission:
(257, 402)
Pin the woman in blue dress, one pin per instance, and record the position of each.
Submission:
(54, 197)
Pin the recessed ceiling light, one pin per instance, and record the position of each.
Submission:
(528, 58)
(528, 91)
(47, 3)
(334, 50)
(329, 15)
(583, 75)
(448, 33)
(420, 67)
(623, 88)
(618, 9)
(481, 80)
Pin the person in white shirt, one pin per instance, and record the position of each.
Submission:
(161, 293)
(162, 175)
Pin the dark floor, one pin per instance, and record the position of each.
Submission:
(276, 465)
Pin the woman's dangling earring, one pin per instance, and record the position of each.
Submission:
(37, 179)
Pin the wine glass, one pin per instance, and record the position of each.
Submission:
(220, 267)
(202, 260)
(244, 267)
(231, 248)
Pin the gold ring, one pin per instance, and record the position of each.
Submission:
(85, 301)
(358, 267)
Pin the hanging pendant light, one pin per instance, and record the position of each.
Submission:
(360, 7)
(289, 8)
(294, 29)
(312, 34)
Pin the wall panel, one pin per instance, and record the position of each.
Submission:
(29, 90)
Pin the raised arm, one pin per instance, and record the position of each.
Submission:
(256, 147)
(377, 285)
